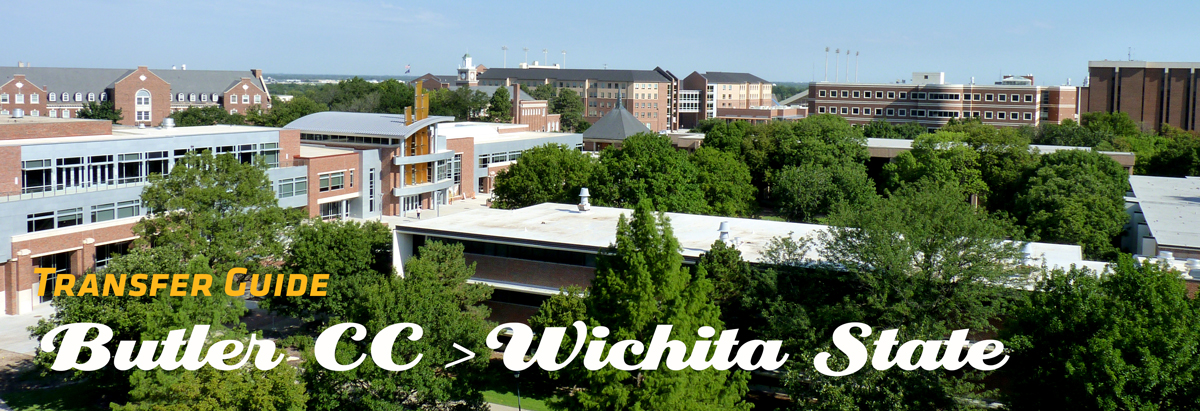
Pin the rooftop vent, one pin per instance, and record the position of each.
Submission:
(583, 199)
(168, 122)
(18, 113)
(724, 230)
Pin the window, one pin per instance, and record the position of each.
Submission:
(129, 168)
(1029, 116)
(903, 113)
(216, 97)
(821, 93)
(854, 110)
(104, 212)
(821, 109)
(975, 96)
(143, 115)
(258, 99)
(192, 97)
(332, 181)
(332, 210)
(204, 97)
(845, 110)
(78, 96)
(104, 96)
(1013, 116)
(66, 97)
(66, 114)
(351, 178)
(91, 96)
(1029, 98)
(34, 113)
(891, 112)
(878, 94)
(879, 112)
(269, 152)
(36, 176)
(52, 97)
(1001, 97)
(51, 220)
(845, 94)
(943, 96)
(4, 98)
(891, 94)
(1015, 98)
(903, 95)
(918, 96)
(53, 112)
(855, 93)
(918, 113)
(987, 115)
(33, 99)
(142, 97)
(105, 253)
(289, 187)
(245, 99)
(975, 114)
(987, 97)
(1000, 115)
(371, 184)
(20, 99)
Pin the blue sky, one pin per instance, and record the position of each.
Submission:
(776, 40)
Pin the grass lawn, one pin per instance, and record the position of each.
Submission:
(510, 399)
(72, 397)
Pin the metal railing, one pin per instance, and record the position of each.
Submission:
(51, 191)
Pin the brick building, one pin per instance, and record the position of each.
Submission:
(718, 92)
(928, 101)
(144, 96)
(70, 189)
(650, 95)
(1152, 93)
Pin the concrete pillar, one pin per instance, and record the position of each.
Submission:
(23, 292)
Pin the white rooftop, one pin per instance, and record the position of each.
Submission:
(132, 133)
(564, 226)
(1171, 207)
(490, 132)
(308, 151)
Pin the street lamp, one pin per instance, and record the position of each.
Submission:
(517, 375)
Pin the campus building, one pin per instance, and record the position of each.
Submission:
(650, 95)
(1152, 93)
(70, 189)
(716, 92)
(531, 253)
(1164, 218)
(928, 101)
(144, 96)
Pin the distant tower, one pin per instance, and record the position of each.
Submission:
(466, 73)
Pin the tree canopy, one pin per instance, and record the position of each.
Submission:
(1077, 197)
(103, 110)
(648, 167)
(549, 173)
(206, 116)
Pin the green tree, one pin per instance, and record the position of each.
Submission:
(724, 136)
(824, 139)
(141, 318)
(206, 116)
(434, 294)
(394, 96)
(641, 283)
(811, 191)
(216, 207)
(942, 157)
(500, 108)
(741, 292)
(541, 92)
(1076, 197)
(569, 106)
(922, 261)
(1005, 158)
(548, 173)
(1180, 155)
(1126, 340)
(725, 182)
(1115, 124)
(342, 249)
(246, 388)
(648, 167)
(104, 110)
(284, 112)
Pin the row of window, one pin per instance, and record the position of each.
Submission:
(66, 98)
(334, 181)
(986, 115)
(493, 158)
(1028, 98)
(290, 187)
(50, 220)
(103, 170)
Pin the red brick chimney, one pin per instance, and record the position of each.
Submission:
(516, 104)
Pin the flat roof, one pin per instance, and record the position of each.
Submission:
(1142, 64)
(1171, 206)
(490, 132)
(27, 119)
(563, 226)
(948, 86)
(309, 151)
(132, 133)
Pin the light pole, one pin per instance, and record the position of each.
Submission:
(847, 65)
(564, 59)
(517, 375)
(545, 56)
(827, 64)
(836, 60)
(505, 48)
(856, 67)
(526, 55)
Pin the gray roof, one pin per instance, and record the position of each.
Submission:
(490, 90)
(618, 124)
(76, 80)
(364, 124)
(797, 99)
(1171, 207)
(441, 78)
(574, 75)
(726, 77)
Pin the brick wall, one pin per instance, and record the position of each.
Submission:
(466, 147)
(233, 97)
(18, 85)
(348, 163)
(11, 129)
(125, 92)
(10, 169)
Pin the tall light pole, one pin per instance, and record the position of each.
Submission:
(847, 65)
(827, 64)
(836, 60)
(545, 56)
(564, 59)
(856, 67)
(526, 55)
(505, 48)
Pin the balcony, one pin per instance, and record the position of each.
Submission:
(425, 158)
(415, 189)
